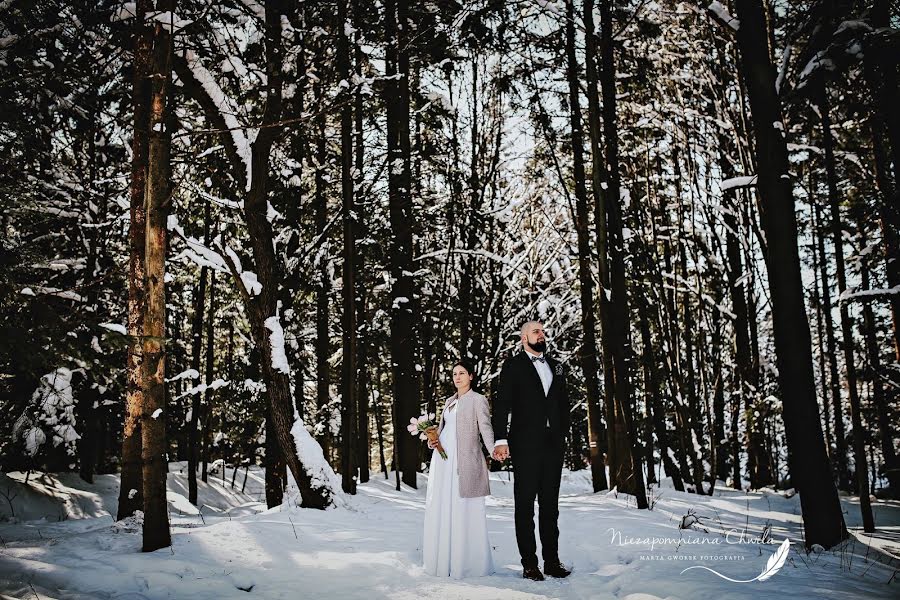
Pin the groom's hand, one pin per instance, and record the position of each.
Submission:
(501, 452)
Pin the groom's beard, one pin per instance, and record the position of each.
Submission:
(539, 347)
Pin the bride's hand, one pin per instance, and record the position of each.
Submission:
(431, 445)
(501, 452)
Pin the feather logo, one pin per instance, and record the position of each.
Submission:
(773, 565)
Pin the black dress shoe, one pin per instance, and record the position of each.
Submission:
(556, 569)
(533, 573)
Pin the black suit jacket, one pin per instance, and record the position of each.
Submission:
(521, 393)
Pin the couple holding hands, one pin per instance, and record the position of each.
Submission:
(532, 390)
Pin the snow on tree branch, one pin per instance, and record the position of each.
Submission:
(248, 278)
(115, 327)
(169, 20)
(204, 256)
(868, 295)
(203, 387)
(52, 291)
(196, 250)
(186, 374)
(721, 15)
(7, 41)
(276, 341)
(783, 67)
(220, 108)
(256, 8)
(52, 410)
(819, 61)
(738, 182)
(125, 11)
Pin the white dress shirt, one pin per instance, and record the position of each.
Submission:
(545, 373)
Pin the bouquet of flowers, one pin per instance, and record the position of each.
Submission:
(426, 428)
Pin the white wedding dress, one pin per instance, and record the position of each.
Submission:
(456, 540)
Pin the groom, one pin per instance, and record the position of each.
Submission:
(533, 387)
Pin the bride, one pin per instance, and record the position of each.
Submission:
(456, 540)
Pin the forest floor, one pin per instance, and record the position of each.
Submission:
(63, 543)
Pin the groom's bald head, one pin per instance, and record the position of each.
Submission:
(530, 326)
(533, 337)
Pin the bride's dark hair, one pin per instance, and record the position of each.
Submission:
(467, 365)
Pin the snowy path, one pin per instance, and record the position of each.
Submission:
(371, 550)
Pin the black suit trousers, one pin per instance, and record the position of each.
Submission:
(537, 470)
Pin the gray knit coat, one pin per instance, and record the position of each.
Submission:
(473, 417)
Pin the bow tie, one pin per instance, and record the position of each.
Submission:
(538, 358)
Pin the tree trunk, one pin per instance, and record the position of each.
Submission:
(651, 393)
(293, 281)
(689, 413)
(859, 451)
(820, 336)
(323, 289)
(604, 448)
(405, 378)
(719, 441)
(87, 394)
(229, 374)
(196, 349)
(88, 398)
(208, 377)
(874, 375)
(664, 304)
(264, 321)
(884, 125)
(822, 517)
(889, 218)
(348, 213)
(630, 476)
(588, 350)
(379, 426)
(881, 72)
(158, 198)
(745, 380)
(362, 327)
(837, 414)
(469, 226)
(275, 467)
(131, 490)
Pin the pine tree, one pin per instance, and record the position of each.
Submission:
(823, 521)
(157, 195)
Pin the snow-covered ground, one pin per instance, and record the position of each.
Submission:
(371, 548)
